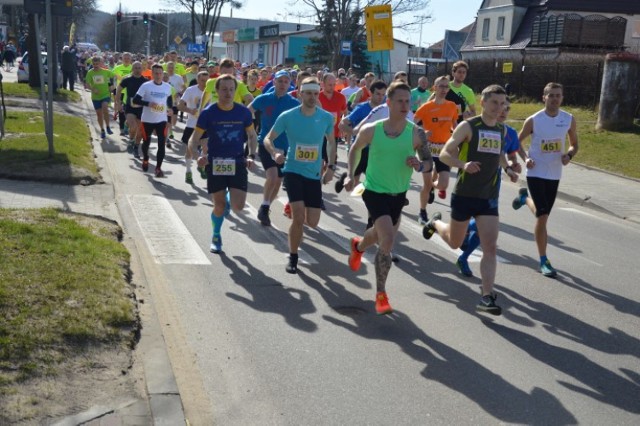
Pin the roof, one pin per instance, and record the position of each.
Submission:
(628, 7)
(439, 45)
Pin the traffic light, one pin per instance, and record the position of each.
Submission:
(119, 16)
(298, 27)
(145, 18)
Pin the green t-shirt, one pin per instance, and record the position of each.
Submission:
(464, 92)
(99, 79)
(122, 70)
(241, 91)
(419, 98)
(179, 68)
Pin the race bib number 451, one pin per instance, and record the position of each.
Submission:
(489, 142)
(307, 153)
(549, 146)
(223, 167)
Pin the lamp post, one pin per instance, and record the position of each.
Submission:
(167, 12)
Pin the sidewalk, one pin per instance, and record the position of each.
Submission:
(162, 405)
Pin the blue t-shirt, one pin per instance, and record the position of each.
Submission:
(227, 130)
(271, 107)
(359, 113)
(512, 143)
(271, 89)
(306, 136)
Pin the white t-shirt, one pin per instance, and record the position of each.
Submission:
(157, 94)
(192, 97)
(177, 82)
(548, 143)
(348, 91)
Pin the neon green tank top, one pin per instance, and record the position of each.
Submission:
(387, 170)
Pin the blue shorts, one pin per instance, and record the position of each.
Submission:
(464, 208)
(98, 104)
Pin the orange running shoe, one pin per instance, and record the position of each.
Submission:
(355, 257)
(287, 210)
(442, 194)
(382, 304)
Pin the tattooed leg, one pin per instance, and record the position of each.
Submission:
(383, 265)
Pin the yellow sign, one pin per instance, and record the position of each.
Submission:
(507, 67)
(379, 27)
(178, 39)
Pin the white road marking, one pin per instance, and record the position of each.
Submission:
(168, 239)
(572, 210)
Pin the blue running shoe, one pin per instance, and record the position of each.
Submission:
(463, 266)
(216, 244)
(547, 270)
(109, 131)
(521, 199)
(102, 134)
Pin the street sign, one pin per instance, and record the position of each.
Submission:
(507, 67)
(345, 47)
(195, 48)
(58, 7)
(178, 39)
(379, 27)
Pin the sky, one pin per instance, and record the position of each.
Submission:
(446, 15)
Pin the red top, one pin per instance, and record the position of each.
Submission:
(337, 105)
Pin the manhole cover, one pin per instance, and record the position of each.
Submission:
(349, 310)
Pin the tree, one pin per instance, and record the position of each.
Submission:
(205, 12)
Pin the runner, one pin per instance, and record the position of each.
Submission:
(420, 95)
(438, 117)
(352, 88)
(121, 71)
(393, 143)
(229, 125)
(305, 127)
(178, 83)
(242, 95)
(98, 81)
(548, 129)
(476, 148)
(269, 106)
(459, 72)
(156, 99)
(189, 103)
(128, 86)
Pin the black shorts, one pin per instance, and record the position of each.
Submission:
(380, 205)
(543, 193)
(440, 166)
(464, 208)
(364, 161)
(135, 111)
(300, 188)
(267, 160)
(175, 110)
(219, 183)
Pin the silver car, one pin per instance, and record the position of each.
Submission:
(23, 69)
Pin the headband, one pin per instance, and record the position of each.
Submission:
(310, 86)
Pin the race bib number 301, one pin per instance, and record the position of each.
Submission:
(307, 153)
(223, 167)
(550, 146)
(489, 142)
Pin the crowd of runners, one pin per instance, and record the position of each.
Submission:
(291, 121)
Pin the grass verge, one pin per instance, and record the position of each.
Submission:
(63, 289)
(23, 90)
(24, 152)
(617, 152)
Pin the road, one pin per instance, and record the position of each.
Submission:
(251, 344)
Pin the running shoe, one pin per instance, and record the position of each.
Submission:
(339, 186)
(189, 178)
(292, 266)
(159, 173)
(547, 270)
(382, 303)
(171, 136)
(167, 144)
(423, 218)
(429, 229)
(203, 172)
(216, 244)
(521, 199)
(136, 152)
(432, 196)
(463, 266)
(103, 135)
(355, 256)
(109, 131)
(442, 194)
(130, 146)
(488, 304)
(263, 215)
(394, 257)
(287, 210)
(227, 204)
(145, 165)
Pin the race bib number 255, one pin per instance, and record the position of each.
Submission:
(223, 167)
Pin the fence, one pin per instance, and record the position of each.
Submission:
(582, 80)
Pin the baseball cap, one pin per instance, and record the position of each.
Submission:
(282, 73)
(211, 64)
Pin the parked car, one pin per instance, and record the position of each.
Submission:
(23, 69)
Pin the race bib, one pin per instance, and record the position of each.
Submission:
(98, 79)
(550, 146)
(307, 153)
(158, 108)
(489, 142)
(223, 167)
(435, 149)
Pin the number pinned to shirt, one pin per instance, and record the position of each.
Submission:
(550, 146)
(307, 153)
(489, 142)
(223, 167)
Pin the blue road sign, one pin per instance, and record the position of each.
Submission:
(195, 48)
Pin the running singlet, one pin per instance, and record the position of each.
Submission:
(156, 94)
(227, 131)
(387, 171)
(486, 146)
(547, 144)
(271, 107)
(381, 112)
(335, 106)
(192, 97)
(439, 119)
(305, 135)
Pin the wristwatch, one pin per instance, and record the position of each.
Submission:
(332, 167)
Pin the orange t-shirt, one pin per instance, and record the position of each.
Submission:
(337, 105)
(147, 74)
(437, 118)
